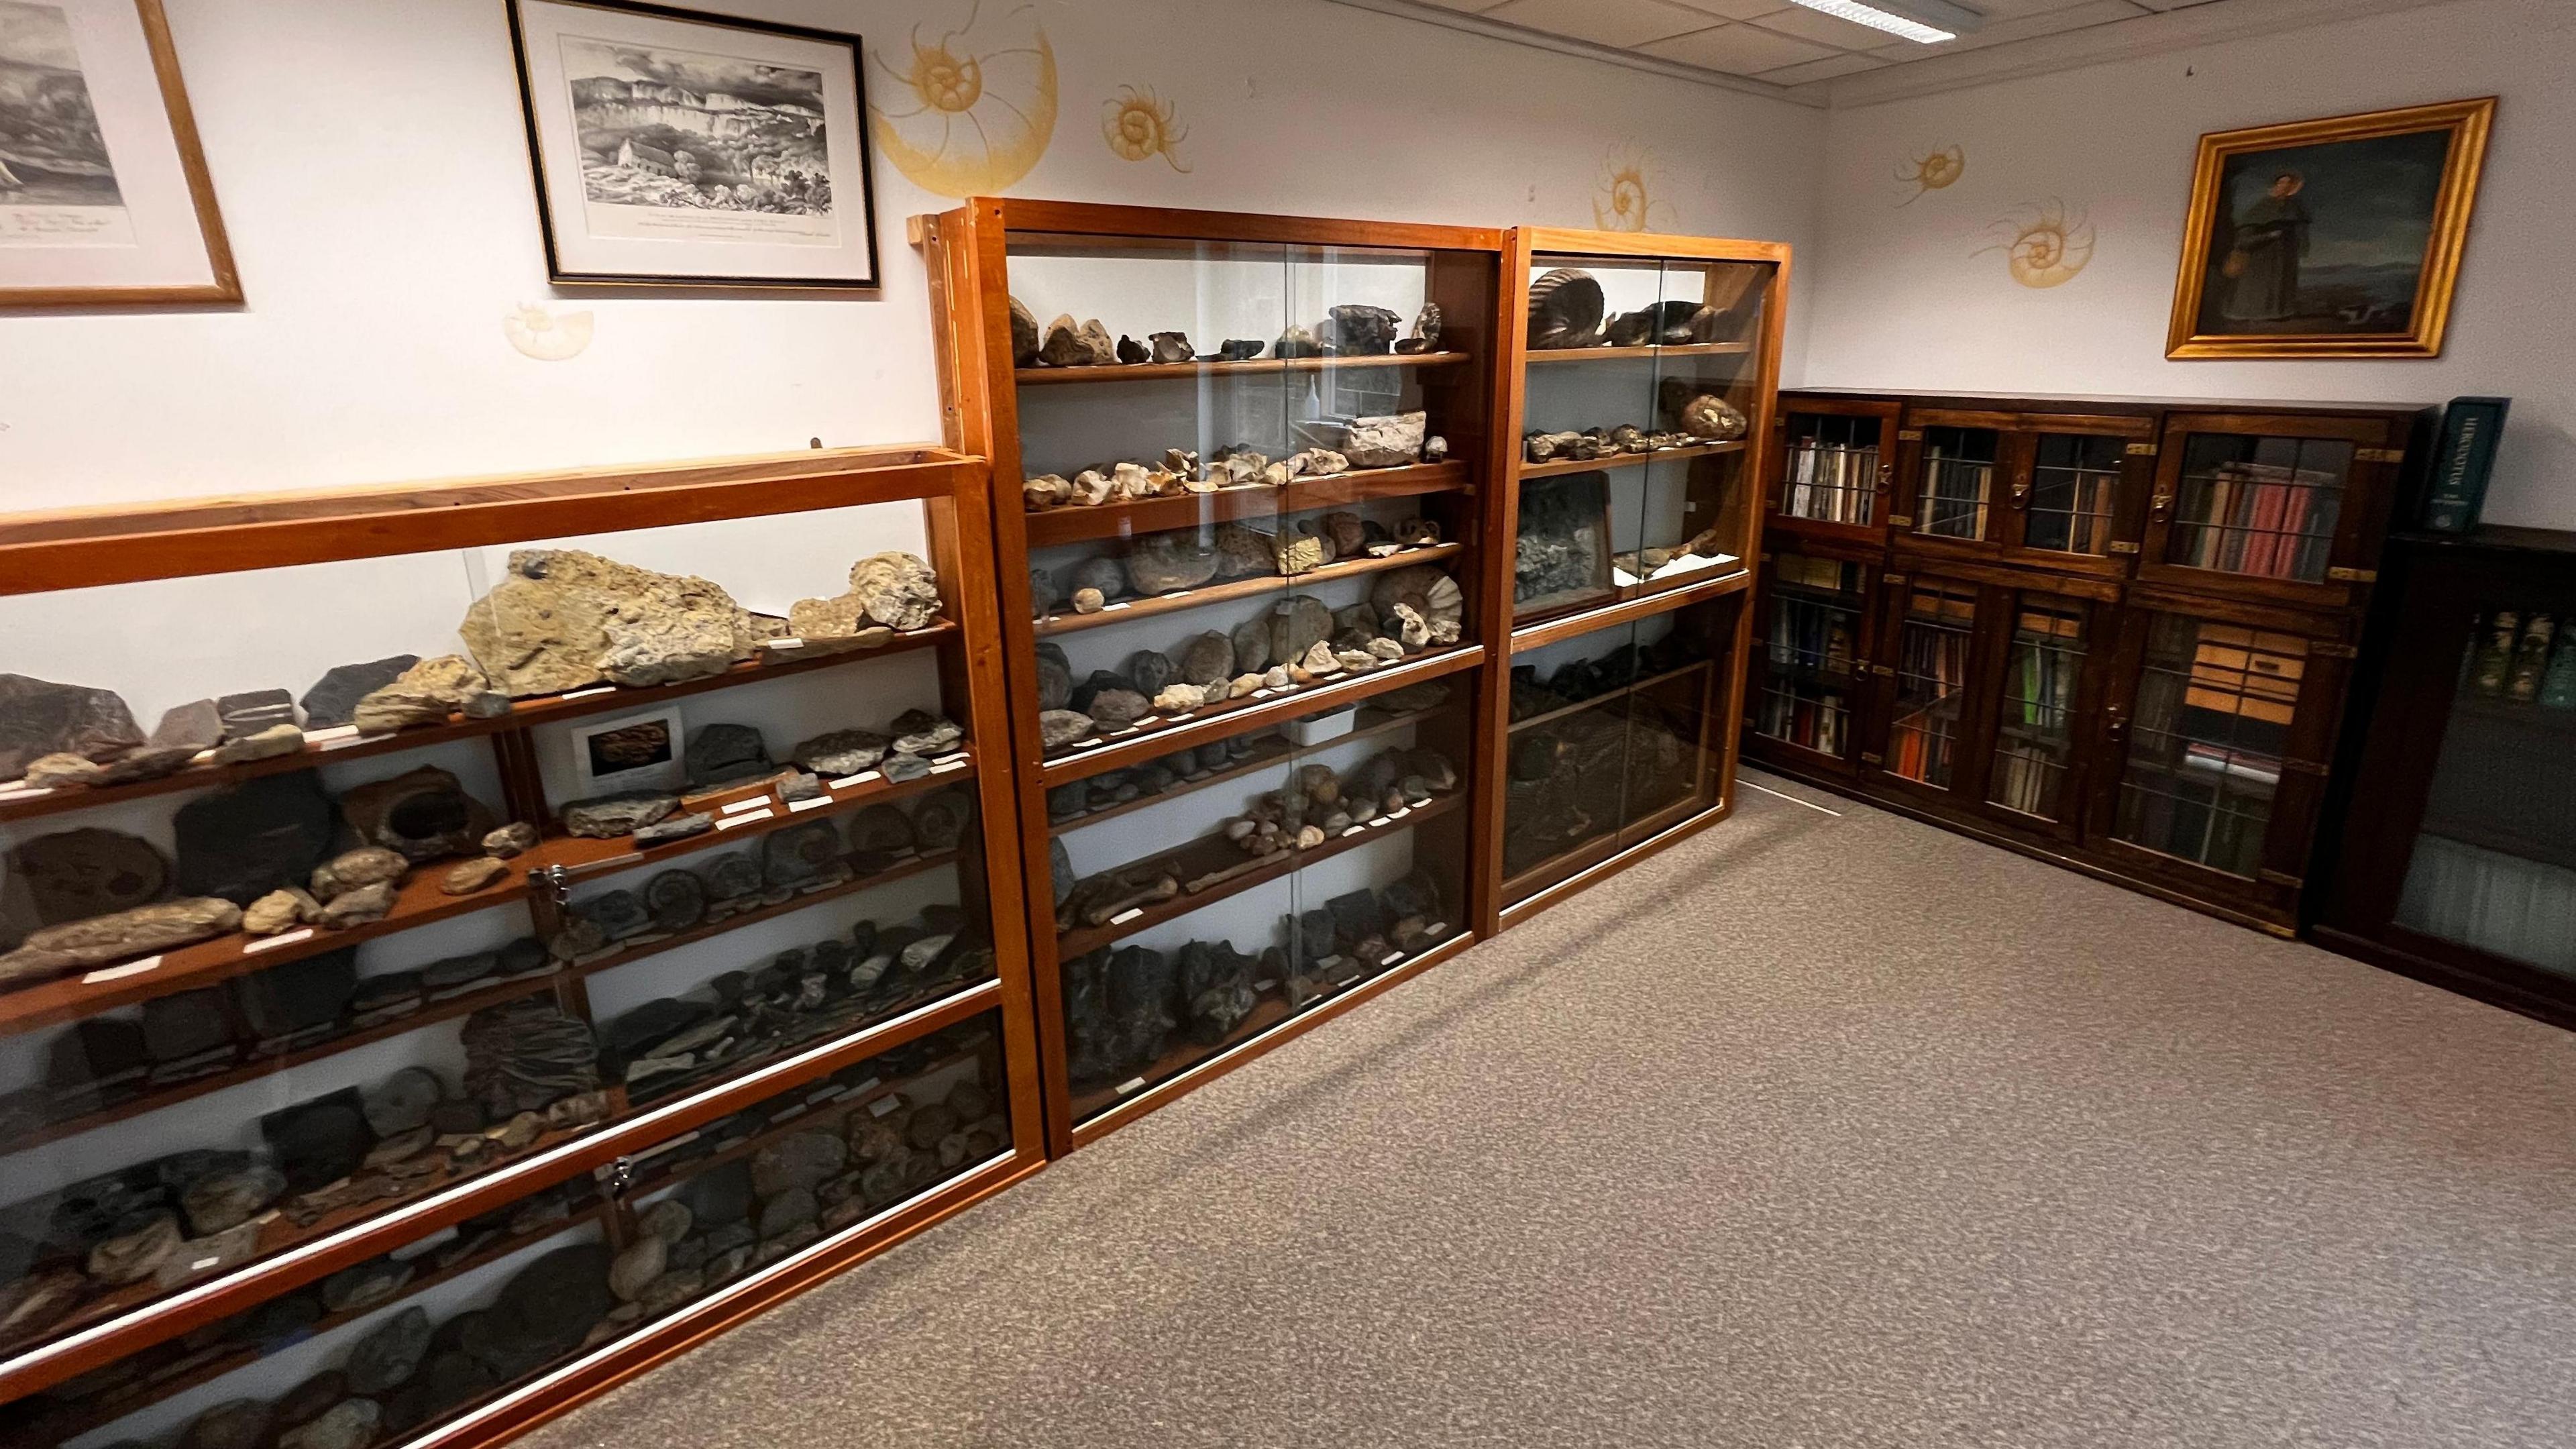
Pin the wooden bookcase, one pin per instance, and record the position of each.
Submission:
(2113, 633)
(1122, 1030)
(2449, 854)
(1629, 572)
(148, 1355)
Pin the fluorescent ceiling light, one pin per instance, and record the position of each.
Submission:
(1888, 15)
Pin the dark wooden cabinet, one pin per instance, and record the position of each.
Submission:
(2114, 633)
(2453, 813)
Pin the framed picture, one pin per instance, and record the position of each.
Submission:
(103, 193)
(678, 148)
(630, 752)
(2332, 238)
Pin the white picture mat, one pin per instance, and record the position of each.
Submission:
(580, 249)
(161, 245)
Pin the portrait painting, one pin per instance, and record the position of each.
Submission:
(2332, 238)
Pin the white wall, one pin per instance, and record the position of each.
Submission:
(1902, 300)
(373, 173)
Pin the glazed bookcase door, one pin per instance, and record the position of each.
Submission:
(2044, 699)
(1930, 712)
(1833, 468)
(1241, 571)
(1951, 493)
(2218, 743)
(2077, 492)
(1811, 669)
(2278, 509)
(750, 847)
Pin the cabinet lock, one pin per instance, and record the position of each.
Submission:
(2353, 576)
(1883, 671)
(1909, 435)
(1869, 759)
(1900, 520)
(2123, 546)
(2142, 450)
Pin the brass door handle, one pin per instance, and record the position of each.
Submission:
(2162, 508)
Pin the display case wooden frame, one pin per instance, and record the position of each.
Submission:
(2436, 589)
(88, 547)
(2123, 590)
(968, 251)
(1628, 603)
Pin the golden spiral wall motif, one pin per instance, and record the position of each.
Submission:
(1620, 199)
(1139, 125)
(970, 113)
(1932, 171)
(2044, 245)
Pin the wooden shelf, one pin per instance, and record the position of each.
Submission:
(1250, 588)
(585, 860)
(688, 1167)
(1593, 850)
(1077, 524)
(1634, 686)
(523, 714)
(1288, 750)
(1644, 604)
(2552, 724)
(1254, 367)
(1539, 355)
(85, 1416)
(1242, 716)
(1562, 466)
(1215, 852)
(420, 902)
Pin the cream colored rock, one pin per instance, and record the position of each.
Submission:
(563, 619)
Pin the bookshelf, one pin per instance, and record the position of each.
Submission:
(2454, 814)
(2115, 633)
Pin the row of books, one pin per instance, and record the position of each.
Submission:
(1817, 721)
(2230, 766)
(2048, 663)
(2516, 908)
(1811, 636)
(2026, 779)
(1955, 491)
(2262, 519)
(1918, 747)
(1831, 483)
(2526, 658)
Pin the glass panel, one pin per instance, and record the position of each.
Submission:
(1931, 679)
(1675, 748)
(2214, 707)
(446, 1325)
(2034, 735)
(2495, 863)
(1568, 763)
(1311, 857)
(1832, 469)
(1809, 657)
(2074, 481)
(329, 986)
(2259, 505)
(1958, 482)
(1175, 506)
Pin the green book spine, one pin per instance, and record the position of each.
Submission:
(2462, 460)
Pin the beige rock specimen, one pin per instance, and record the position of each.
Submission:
(427, 693)
(887, 590)
(280, 910)
(76, 945)
(564, 619)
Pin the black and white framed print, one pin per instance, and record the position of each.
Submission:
(679, 148)
(104, 199)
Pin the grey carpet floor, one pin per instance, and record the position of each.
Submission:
(1815, 1132)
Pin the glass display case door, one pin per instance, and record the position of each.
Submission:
(2075, 491)
(2276, 509)
(2221, 720)
(1812, 654)
(1832, 463)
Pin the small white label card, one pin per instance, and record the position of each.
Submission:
(119, 973)
(884, 1104)
(1129, 914)
(757, 802)
(273, 942)
(796, 807)
(861, 778)
(746, 819)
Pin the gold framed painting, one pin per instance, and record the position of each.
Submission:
(104, 199)
(2331, 238)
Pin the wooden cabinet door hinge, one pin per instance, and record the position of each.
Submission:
(2353, 576)
(2142, 450)
(1909, 435)
(2379, 455)
(1872, 760)
(2122, 545)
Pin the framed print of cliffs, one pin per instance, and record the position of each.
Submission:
(2331, 238)
(104, 200)
(678, 148)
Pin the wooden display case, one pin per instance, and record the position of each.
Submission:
(2452, 857)
(1170, 951)
(1639, 547)
(2114, 633)
(135, 1084)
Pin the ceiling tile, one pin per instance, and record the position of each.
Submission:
(1824, 29)
(1737, 50)
(1623, 23)
(1738, 9)
(2050, 22)
(1826, 69)
(1470, 6)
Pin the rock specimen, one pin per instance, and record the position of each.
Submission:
(803, 857)
(1296, 342)
(55, 772)
(1703, 415)
(1565, 308)
(515, 838)
(673, 827)
(426, 693)
(1423, 603)
(1149, 670)
(1425, 336)
(1385, 442)
(333, 699)
(1025, 341)
(352, 869)
(1171, 347)
(296, 1002)
(887, 590)
(606, 817)
(1561, 550)
(1131, 351)
(385, 1358)
(1161, 562)
(522, 1055)
(840, 752)
(919, 732)
(424, 814)
(1118, 708)
(1045, 491)
(720, 754)
(348, 1424)
(1207, 660)
(941, 821)
(1057, 728)
(70, 875)
(267, 744)
(480, 873)
(564, 619)
(1297, 624)
(136, 1255)
(95, 942)
(1074, 344)
(1238, 349)
(39, 718)
(1356, 329)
